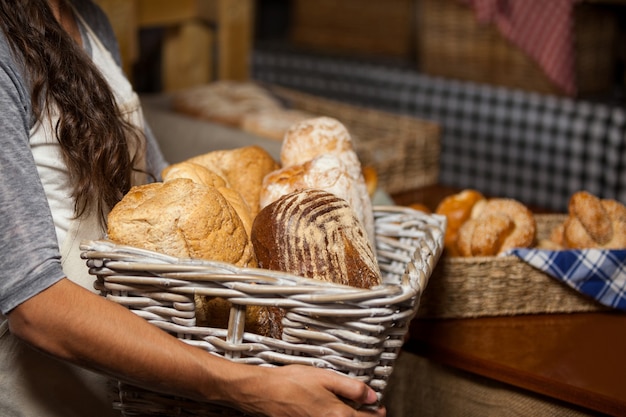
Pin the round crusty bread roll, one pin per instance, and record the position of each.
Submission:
(243, 168)
(202, 175)
(312, 147)
(315, 234)
(183, 219)
(187, 219)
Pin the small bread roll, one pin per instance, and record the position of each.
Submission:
(496, 226)
(243, 168)
(458, 209)
(183, 219)
(594, 223)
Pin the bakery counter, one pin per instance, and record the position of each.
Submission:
(534, 364)
(577, 359)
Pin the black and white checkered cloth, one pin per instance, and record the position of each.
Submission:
(536, 148)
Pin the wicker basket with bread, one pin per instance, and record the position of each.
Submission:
(477, 277)
(269, 262)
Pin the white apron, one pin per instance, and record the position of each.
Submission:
(31, 383)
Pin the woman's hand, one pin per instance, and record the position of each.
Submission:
(304, 391)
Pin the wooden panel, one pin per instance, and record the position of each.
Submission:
(234, 38)
(232, 22)
(183, 66)
(123, 17)
(355, 26)
(168, 12)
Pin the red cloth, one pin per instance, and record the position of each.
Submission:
(543, 29)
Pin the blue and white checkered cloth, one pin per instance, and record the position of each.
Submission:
(598, 273)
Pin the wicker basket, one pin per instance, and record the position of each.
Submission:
(404, 150)
(500, 286)
(451, 43)
(354, 331)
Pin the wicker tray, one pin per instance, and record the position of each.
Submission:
(357, 332)
(499, 286)
(404, 150)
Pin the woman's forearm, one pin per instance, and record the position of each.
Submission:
(76, 325)
(86, 329)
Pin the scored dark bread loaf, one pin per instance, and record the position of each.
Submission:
(315, 234)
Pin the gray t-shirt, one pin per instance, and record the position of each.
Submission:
(30, 259)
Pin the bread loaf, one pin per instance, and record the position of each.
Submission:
(243, 169)
(187, 219)
(318, 153)
(183, 219)
(325, 172)
(195, 172)
(202, 175)
(315, 234)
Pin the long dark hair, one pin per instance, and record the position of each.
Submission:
(94, 137)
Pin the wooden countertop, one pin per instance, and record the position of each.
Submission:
(578, 358)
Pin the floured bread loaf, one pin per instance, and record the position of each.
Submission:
(318, 153)
(325, 172)
(315, 234)
(243, 169)
(181, 218)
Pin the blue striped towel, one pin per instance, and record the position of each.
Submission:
(598, 273)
